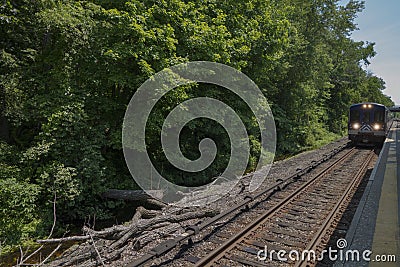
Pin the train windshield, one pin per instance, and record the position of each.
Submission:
(354, 115)
(366, 116)
(379, 116)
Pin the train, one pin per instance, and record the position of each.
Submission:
(369, 123)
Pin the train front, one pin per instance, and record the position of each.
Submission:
(368, 123)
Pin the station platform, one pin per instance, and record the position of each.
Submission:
(374, 230)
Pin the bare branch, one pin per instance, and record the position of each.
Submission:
(23, 260)
(95, 248)
(54, 215)
(63, 239)
(51, 254)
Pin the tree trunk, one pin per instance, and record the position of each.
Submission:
(4, 126)
(131, 194)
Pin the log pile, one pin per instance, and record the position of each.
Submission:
(99, 248)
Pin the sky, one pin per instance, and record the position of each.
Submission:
(380, 23)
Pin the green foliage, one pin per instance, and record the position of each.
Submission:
(17, 209)
(18, 200)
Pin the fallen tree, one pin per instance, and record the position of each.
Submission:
(133, 194)
(106, 245)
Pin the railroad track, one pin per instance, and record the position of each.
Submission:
(300, 222)
(300, 217)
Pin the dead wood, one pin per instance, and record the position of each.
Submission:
(160, 232)
(142, 225)
(132, 194)
(108, 244)
(63, 239)
(108, 233)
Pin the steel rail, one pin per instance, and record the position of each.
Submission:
(193, 230)
(319, 236)
(218, 253)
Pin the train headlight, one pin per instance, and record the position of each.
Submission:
(377, 127)
(355, 126)
(364, 106)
